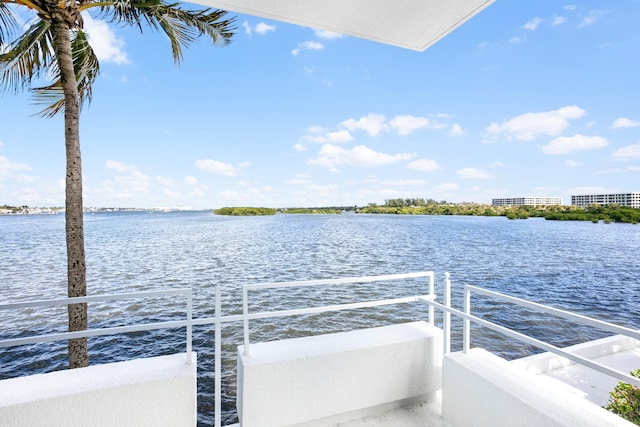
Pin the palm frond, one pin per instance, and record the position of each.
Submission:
(8, 24)
(28, 57)
(86, 67)
(180, 25)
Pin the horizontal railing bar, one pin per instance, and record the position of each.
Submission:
(93, 298)
(364, 279)
(203, 321)
(327, 308)
(93, 332)
(540, 344)
(212, 320)
(265, 314)
(589, 321)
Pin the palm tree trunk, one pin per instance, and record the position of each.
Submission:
(76, 267)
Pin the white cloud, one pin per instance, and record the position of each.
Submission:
(375, 124)
(558, 20)
(425, 165)
(103, 40)
(299, 148)
(230, 195)
(496, 165)
(260, 28)
(573, 163)
(190, 180)
(630, 152)
(618, 170)
(407, 124)
(568, 144)
(473, 173)
(128, 183)
(528, 126)
(569, 7)
(331, 156)
(588, 20)
(217, 167)
(328, 35)
(533, 24)
(623, 122)
(120, 166)
(171, 193)
(166, 181)
(263, 28)
(7, 167)
(323, 136)
(484, 45)
(308, 45)
(372, 124)
(456, 130)
(299, 180)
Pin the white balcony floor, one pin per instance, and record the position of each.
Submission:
(422, 415)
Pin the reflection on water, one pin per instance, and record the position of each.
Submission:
(588, 268)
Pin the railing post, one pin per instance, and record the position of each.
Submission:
(189, 326)
(218, 361)
(446, 323)
(431, 292)
(245, 312)
(466, 331)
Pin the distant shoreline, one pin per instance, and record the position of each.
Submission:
(593, 213)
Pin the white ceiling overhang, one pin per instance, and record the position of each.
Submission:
(411, 24)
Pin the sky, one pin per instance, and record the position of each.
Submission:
(535, 98)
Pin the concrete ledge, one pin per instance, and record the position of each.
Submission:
(481, 389)
(158, 391)
(617, 352)
(545, 362)
(327, 379)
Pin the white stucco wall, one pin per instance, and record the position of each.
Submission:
(309, 381)
(480, 389)
(158, 392)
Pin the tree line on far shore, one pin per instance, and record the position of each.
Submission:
(593, 213)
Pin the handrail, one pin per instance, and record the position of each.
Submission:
(585, 320)
(468, 318)
(188, 322)
(218, 318)
(429, 299)
(349, 280)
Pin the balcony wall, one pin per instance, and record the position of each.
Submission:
(327, 379)
(154, 392)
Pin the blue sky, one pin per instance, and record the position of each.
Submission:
(525, 99)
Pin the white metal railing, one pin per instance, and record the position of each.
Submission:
(468, 318)
(323, 309)
(245, 317)
(218, 318)
(105, 331)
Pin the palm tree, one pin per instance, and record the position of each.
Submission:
(54, 47)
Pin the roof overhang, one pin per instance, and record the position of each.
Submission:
(411, 24)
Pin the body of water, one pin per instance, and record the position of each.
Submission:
(592, 269)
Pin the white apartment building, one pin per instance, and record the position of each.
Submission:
(622, 199)
(527, 201)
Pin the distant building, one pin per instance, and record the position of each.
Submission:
(527, 201)
(622, 199)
